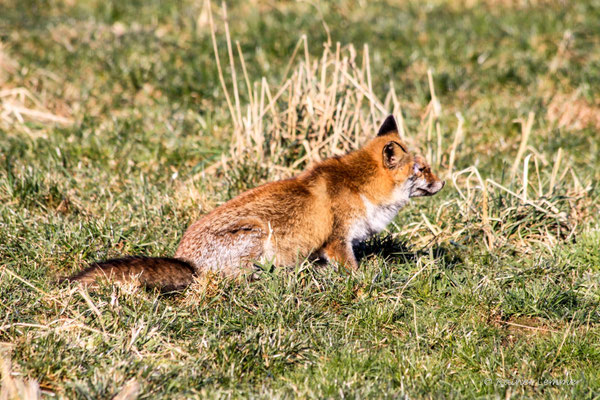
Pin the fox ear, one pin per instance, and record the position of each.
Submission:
(392, 154)
(388, 126)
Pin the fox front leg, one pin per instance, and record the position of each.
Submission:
(340, 251)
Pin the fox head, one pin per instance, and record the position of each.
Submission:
(409, 172)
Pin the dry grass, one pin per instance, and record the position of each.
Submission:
(21, 108)
(573, 112)
(324, 106)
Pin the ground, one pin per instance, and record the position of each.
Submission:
(118, 129)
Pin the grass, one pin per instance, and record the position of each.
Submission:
(116, 134)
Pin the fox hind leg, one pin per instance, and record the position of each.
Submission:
(242, 243)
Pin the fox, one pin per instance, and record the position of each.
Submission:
(322, 212)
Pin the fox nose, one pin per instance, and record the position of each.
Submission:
(436, 186)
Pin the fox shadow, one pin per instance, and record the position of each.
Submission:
(393, 249)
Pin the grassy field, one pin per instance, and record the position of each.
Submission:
(118, 129)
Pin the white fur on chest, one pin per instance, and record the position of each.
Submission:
(377, 217)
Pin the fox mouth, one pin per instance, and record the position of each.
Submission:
(421, 193)
(430, 190)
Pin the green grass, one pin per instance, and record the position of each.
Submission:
(427, 316)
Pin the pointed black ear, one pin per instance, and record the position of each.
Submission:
(388, 126)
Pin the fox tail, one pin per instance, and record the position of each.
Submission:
(164, 273)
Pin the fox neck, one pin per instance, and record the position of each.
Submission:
(377, 215)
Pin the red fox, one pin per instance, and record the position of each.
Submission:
(321, 212)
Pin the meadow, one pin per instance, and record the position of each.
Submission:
(121, 122)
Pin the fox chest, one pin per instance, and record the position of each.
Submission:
(374, 220)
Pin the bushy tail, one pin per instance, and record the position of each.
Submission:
(160, 272)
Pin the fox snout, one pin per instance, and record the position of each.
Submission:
(435, 186)
(425, 183)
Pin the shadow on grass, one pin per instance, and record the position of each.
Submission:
(393, 249)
